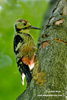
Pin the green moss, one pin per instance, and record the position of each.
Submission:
(53, 59)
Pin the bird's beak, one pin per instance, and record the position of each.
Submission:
(33, 27)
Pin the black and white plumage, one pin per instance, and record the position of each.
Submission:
(23, 68)
(24, 49)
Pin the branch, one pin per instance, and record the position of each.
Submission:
(49, 74)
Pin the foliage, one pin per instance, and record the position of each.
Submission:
(10, 11)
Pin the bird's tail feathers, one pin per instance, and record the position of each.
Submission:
(24, 70)
(23, 77)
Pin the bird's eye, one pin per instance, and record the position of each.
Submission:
(24, 24)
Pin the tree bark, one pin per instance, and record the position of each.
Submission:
(48, 13)
(50, 72)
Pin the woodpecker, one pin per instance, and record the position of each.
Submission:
(24, 49)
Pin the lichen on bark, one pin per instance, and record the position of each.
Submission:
(51, 60)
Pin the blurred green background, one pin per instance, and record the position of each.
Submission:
(10, 11)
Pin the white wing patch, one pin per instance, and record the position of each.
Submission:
(18, 46)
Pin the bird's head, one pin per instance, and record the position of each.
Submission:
(23, 26)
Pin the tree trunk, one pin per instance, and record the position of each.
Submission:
(50, 72)
(48, 13)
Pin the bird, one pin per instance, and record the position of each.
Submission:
(24, 49)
